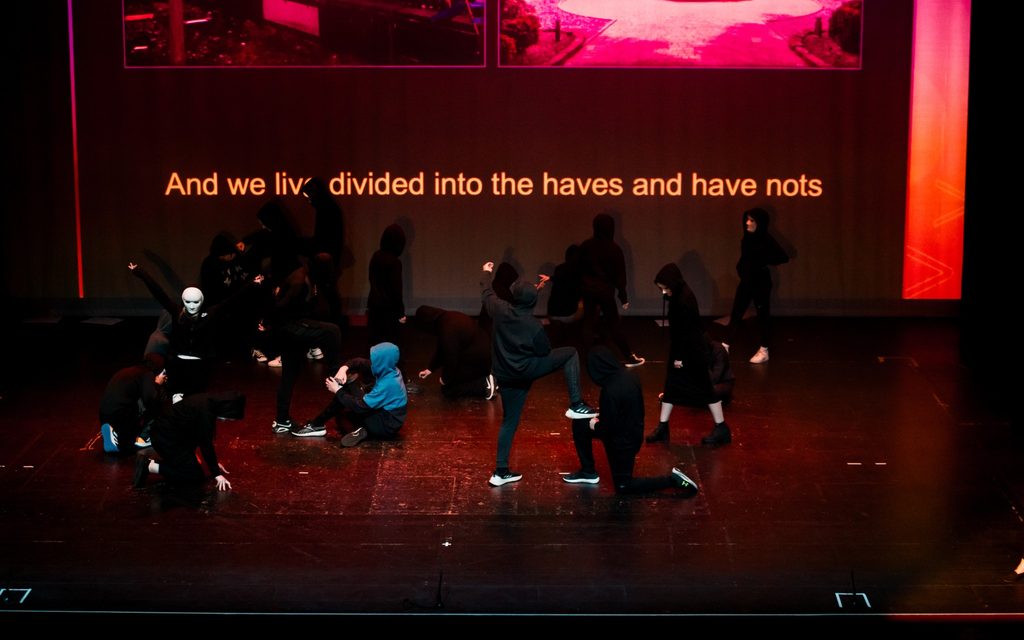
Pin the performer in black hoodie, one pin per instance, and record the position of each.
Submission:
(604, 271)
(329, 226)
(504, 276)
(687, 380)
(294, 332)
(193, 333)
(385, 308)
(758, 251)
(462, 355)
(521, 354)
(184, 427)
(620, 427)
(278, 240)
(132, 398)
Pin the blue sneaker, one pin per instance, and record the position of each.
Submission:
(109, 438)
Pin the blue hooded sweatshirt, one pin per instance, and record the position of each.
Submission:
(388, 392)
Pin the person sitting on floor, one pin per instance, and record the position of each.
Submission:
(372, 394)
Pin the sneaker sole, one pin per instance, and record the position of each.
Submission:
(495, 481)
(310, 434)
(575, 415)
(581, 480)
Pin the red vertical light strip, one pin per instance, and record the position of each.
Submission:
(74, 154)
(937, 154)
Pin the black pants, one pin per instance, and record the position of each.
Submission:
(621, 459)
(294, 340)
(514, 391)
(379, 423)
(188, 376)
(179, 465)
(759, 291)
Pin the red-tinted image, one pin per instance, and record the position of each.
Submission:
(272, 33)
(681, 33)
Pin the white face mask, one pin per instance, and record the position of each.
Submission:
(192, 298)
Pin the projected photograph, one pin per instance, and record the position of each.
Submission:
(303, 33)
(682, 33)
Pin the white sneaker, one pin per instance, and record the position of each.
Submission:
(276, 362)
(259, 356)
(760, 357)
(315, 354)
(176, 398)
(492, 386)
(725, 345)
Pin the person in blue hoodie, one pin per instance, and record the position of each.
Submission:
(371, 392)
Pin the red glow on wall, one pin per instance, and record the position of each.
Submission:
(937, 164)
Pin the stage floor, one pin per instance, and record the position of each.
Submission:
(869, 474)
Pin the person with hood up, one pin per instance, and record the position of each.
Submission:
(758, 251)
(520, 354)
(132, 398)
(278, 240)
(604, 272)
(328, 226)
(462, 355)
(687, 379)
(183, 428)
(372, 394)
(621, 428)
(385, 308)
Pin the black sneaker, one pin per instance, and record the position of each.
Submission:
(281, 426)
(683, 481)
(354, 438)
(580, 410)
(504, 476)
(310, 430)
(141, 472)
(581, 477)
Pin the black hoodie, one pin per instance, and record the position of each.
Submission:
(621, 424)
(519, 336)
(602, 262)
(385, 299)
(759, 249)
(192, 423)
(685, 326)
(329, 228)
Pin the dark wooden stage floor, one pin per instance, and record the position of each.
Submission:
(870, 474)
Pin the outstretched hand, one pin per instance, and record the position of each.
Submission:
(222, 483)
(488, 267)
(132, 266)
(425, 374)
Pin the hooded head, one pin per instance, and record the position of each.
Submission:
(229, 405)
(383, 358)
(393, 240)
(759, 217)
(572, 253)
(670, 277)
(604, 226)
(192, 299)
(524, 295)
(428, 318)
(602, 365)
(223, 244)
